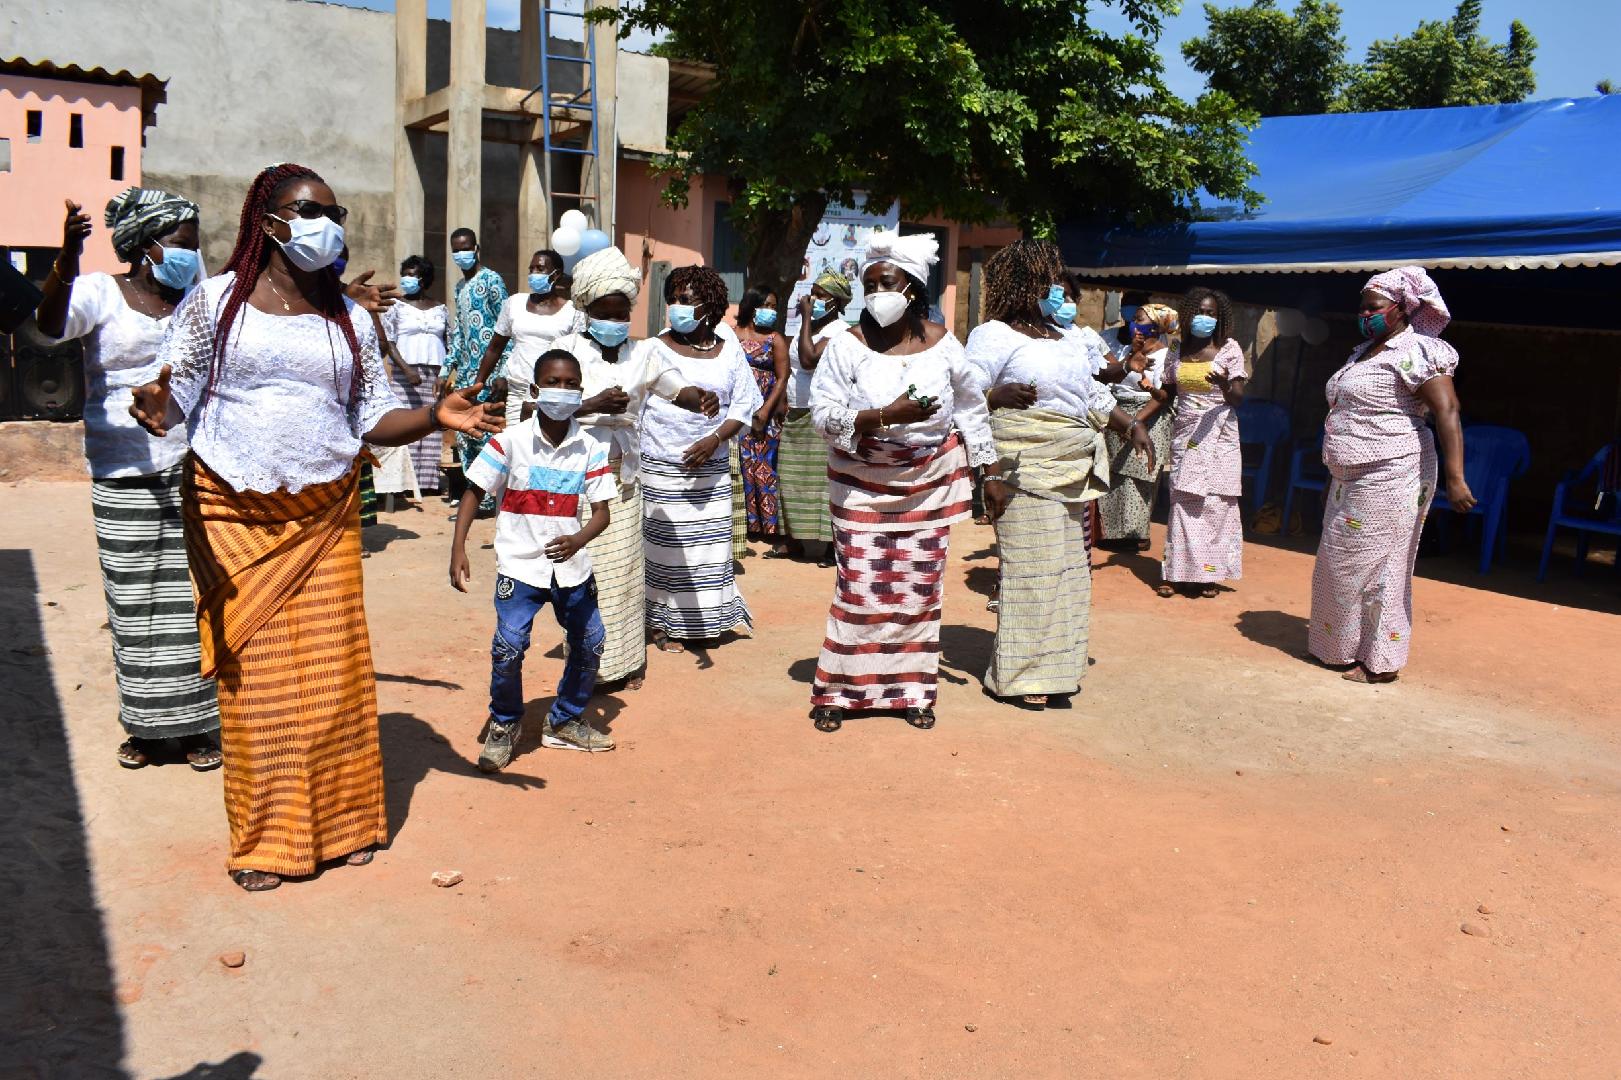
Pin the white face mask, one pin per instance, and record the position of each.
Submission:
(558, 403)
(315, 243)
(886, 308)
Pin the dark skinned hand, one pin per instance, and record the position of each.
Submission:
(151, 405)
(996, 498)
(374, 298)
(611, 402)
(75, 227)
(459, 411)
(564, 548)
(700, 451)
(1012, 396)
(1140, 442)
(907, 410)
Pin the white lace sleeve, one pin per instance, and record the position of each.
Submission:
(831, 411)
(746, 397)
(376, 397)
(968, 409)
(987, 349)
(188, 349)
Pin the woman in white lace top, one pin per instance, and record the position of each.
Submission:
(278, 386)
(904, 414)
(415, 330)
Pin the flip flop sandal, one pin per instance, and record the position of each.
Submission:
(255, 880)
(131, 756)
(635, 682)
(663, 644)
(361, 857)
(827, 718)
(205, 758)
(1038, 701)
(993, 605)
(1209, 592)
(920, 718)
(1166, 591)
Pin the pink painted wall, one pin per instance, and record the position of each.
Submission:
(44, 173)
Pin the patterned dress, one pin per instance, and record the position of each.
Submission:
(1204, 537)
(478, 306)
(1381, 457)
(757, 454)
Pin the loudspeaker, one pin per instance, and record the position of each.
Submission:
(47, 377)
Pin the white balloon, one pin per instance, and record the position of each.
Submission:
(565, 241)
(1289, 321)
(573, 219)
(1315, 332)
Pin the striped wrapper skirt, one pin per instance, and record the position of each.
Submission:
(424, 453)
(740, 513)
(802, 476)
(620, 569)
(1044, 619)
(1362, 583)
(687, 531)
(141, 542)
(283, 627)
(892, 509)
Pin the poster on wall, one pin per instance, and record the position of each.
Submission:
(837, 245)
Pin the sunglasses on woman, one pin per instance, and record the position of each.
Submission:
(309, 209)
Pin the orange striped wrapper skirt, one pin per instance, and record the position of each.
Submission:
(893, 507)
(282, 620)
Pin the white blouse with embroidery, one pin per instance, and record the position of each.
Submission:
(1061, 368)
(287, 408)
(851, 377)
(668, 429)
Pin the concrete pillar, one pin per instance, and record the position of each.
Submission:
(465, 146)
(601, 173)
(410, 83)
(534, 208)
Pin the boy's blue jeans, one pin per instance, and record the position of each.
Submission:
(516, 605)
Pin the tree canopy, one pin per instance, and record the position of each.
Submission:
(973, 110)
(1271, 61)
(1444, 63)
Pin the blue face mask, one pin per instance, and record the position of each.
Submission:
(607, 332)
(818, 309)
(179, 267)
(465, 259)
(1065, 315)
(338, 264)
(683, 318)
(765, 318)
(409, 285)
(1052, 301)
(1147, 330)
(1202, 326)
(540, 283)
(1128, 312)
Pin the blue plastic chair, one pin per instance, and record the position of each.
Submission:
(1592, 520)
(1263, 423)
(1492, 456)
(1306, 473)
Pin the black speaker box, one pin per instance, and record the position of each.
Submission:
(47, 377)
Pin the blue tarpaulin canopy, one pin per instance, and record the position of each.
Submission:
(1534, 185)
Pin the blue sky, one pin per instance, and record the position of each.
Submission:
(1576, 39)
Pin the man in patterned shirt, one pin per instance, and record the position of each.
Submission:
(479, 296)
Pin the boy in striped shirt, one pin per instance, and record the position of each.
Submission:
(538, 472)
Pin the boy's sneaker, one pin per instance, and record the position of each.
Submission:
(499, 743)
(575, 736)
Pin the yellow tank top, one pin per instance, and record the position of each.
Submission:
(1193, 376)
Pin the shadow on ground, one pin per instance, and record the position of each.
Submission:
(58, 1013)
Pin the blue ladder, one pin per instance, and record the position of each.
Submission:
(583, 101)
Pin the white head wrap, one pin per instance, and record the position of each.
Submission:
(603, 272)
(914, 254)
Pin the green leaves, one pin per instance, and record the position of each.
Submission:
(973, 110)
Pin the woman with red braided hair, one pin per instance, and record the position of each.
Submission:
(278, 387)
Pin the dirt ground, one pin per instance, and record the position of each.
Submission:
(1220, 861)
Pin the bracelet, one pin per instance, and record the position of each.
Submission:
(881, 418)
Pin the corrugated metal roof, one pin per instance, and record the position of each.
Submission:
(154, 91)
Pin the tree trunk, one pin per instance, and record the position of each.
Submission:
(777, 240)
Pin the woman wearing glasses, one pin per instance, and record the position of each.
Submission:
(278, 386)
